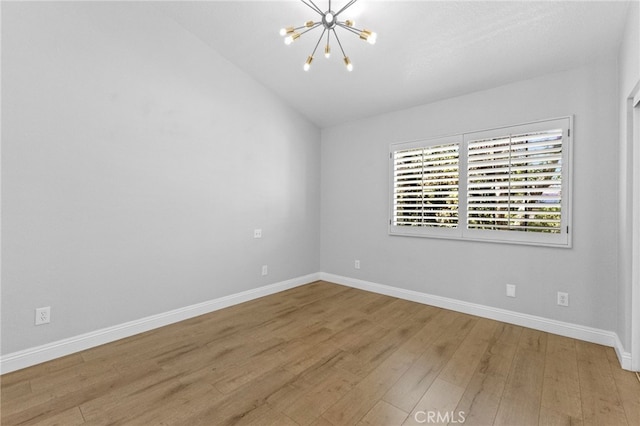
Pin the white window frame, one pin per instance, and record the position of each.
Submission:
(561, 239)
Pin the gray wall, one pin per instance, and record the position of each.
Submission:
(136, 163)
(355, 202)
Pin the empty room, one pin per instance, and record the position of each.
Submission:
(347, 212)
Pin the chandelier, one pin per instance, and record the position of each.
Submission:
(328, 21)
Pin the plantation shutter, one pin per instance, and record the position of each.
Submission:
(509, 184)
(425, 185)
(515, 182)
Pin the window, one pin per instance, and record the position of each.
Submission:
(425, 185)
(509, 184)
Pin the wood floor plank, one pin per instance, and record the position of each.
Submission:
(328, 355)
(357, 402)
(355, 334)
(383, 414)
(407, 391)
(321, 421)
(484, 392)
(561, 384)
(236, 375)
(466, 358)
(368, 355)
(499, 354)
(396, 313)
(363, 397)
(303, 355)
(52, 401)
(551, 417)
(628, 385)
(375, 303)
(16, 390)
(520, 403)
(166, 402)
(437, 405)
(601, 403)
(60, 364)
(481, 399)
(322, 372)
(70, 417)
(243, 402)
(126, 393)
(317, 399)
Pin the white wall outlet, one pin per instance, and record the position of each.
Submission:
(356, 264)
(265, 270)
(563, 298)
(43, 315)
(511, 290)
(257, 233)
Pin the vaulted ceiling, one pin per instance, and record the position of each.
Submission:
(425, 51)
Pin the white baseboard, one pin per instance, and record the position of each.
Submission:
(588, 334)
(623, 356)
(32, 356)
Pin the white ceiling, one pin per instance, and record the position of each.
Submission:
(426, 50)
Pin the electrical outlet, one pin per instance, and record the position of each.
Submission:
(511, 290)
(257, 233)
(356, 264)
(43, 315)
(265, 270)
(563, 298)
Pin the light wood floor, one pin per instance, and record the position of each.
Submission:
(325, 354)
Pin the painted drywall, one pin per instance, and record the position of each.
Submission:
(136, 164)
(629, 76)
(355, 203)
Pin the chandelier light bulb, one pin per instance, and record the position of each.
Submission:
(348, 63)
(368, 36)
(290, 39)
(307, 64)
(372, 38)
(287, 30)
(349, 23)
(327, 51)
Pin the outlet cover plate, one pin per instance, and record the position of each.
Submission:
(43, 315)
(563, 298)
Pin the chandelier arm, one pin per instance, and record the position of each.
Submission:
(351, 2)
(315, 25)
(303, 26)
(312, 6)
(338, 40)
(348, 28)
(318, 43)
